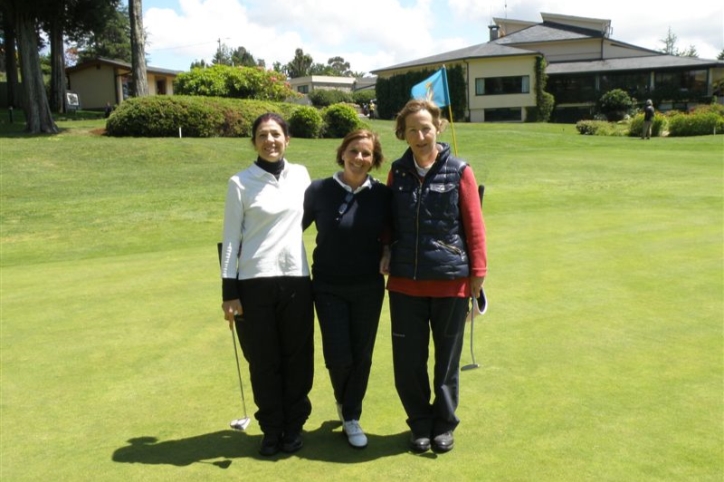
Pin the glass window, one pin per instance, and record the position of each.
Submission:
(502, 85)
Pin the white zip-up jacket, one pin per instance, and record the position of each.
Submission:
(263, 215)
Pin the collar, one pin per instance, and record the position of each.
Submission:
(337, 176)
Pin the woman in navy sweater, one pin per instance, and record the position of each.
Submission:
(351, 211)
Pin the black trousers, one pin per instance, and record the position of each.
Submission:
(277, 339)
(348, 317)
(413, 319)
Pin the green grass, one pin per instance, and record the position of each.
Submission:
(601, 354)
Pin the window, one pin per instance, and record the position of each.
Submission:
(636, 84)
(303, 89)
(572, 88)
(502, 85)
(692, 81)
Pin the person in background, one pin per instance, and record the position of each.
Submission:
(350, 210)
(436, 261)
(266, 284)
(648, 119)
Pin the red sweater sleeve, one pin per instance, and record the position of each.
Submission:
(473, 223)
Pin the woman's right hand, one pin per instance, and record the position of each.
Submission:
(231, 308)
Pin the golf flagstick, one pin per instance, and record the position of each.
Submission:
(479, 305)
(239, 423)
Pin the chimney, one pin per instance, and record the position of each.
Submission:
(493, 32)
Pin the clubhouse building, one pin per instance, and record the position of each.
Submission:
(582, 63)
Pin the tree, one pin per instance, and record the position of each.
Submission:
(138, 55)
(109, 36)
(300, 65)
(339, 66)
(242, 57)
(671, 49)
(10, 58)
(721, 55)
(38, 118)
(222, 55)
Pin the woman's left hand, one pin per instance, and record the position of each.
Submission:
(476, 284)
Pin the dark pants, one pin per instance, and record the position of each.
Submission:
(348, 318)
(277, 339)
(413, 318)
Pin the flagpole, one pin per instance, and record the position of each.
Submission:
(452, 125)
(449, 109)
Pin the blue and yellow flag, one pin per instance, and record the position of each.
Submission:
(433, 88)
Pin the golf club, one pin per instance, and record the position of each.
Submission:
(239, 423)
(479, 304)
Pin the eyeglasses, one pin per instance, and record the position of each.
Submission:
(344, 206)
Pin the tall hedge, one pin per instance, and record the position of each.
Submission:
(393, 93)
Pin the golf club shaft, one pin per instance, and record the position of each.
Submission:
(238, 369)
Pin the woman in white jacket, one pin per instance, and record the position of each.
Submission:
(266, 284)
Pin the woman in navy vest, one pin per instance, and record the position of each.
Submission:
(436, 260)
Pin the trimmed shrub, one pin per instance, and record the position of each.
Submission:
(615, 104)
(326, 97)
(658, 125)
(600, 128)
(237, 82)
(306, 122)
(340, 120)
(698, 123)
(162, 116)
(362, 97)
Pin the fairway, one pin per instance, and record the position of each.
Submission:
(601, 352)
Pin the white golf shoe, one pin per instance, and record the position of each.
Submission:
(355, 436)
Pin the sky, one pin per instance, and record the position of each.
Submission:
(375, 34)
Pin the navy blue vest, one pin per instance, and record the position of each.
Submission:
(429, 241)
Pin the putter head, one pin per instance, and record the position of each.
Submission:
(470, 366)
(480, 302)
(240, 423)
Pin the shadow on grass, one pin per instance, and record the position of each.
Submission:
(323, 444)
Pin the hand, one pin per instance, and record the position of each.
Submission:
(385, 260)
(476, 284)
(231, 308)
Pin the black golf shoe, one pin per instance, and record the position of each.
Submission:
(443, 442)
(269, 445)
(292, 441)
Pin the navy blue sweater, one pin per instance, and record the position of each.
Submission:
(348, 248)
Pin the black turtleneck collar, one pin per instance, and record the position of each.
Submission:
(273, 168)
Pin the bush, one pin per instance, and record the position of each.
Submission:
(700, 122)
(615, 104)
(658, 125)
(236, 82)
(326, 97)
(542, 112)
(162, 116)
(340, 120)
(599, 128)
(362, 97)
(306, 122)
